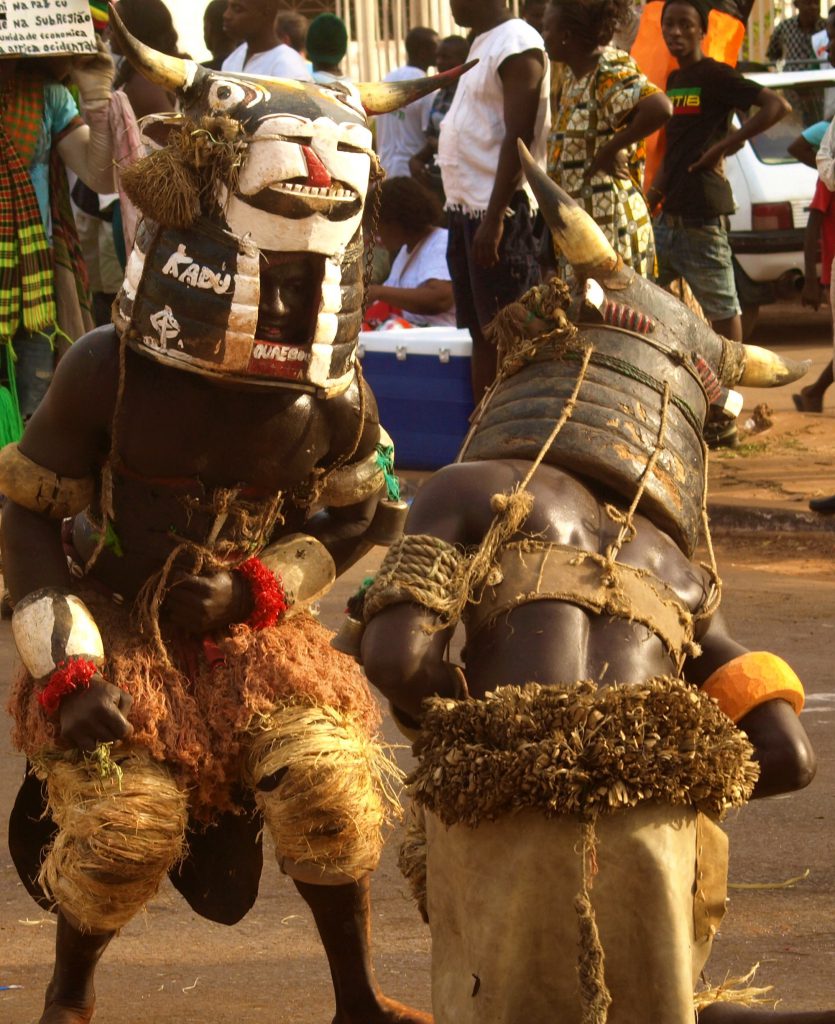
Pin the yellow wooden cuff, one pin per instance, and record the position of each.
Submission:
(752, 679)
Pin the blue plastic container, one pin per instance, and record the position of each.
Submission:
(421, 380)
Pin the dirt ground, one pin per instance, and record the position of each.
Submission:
(172, 966)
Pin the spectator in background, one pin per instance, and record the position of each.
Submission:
(533, 12)
(43, 280)
(260, 53)
(504, 98)
(791, 40)
(400, 134)
(218, 43)
(150, 22)
(327, 44)
(602, 109)
(820, 237)
(418, 284)
(291, 27)
(423, 165)
(805, 146)
(691, 232)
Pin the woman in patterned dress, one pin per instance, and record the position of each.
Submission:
(602, 109)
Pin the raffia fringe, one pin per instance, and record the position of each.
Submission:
(578, 751)
(336, 792)
(735, 990)
(119, 834)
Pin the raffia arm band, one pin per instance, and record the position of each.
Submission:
(357, 481)
(419, 568)
(51, 627)
(39, 489)
(752, 679)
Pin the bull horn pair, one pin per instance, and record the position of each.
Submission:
(591, 254)
(177, 74)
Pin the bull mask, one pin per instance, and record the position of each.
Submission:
(300, 162)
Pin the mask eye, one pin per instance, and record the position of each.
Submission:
(225, 95)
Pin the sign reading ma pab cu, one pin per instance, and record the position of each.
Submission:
(45, 28)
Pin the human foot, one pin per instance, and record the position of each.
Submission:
(56, 1013)
(806, 402)
(385, 1011)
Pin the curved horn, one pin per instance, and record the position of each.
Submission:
(765, 369)
(583, 243)
(171, 72)
(383, 97)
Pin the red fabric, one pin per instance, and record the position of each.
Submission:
(67, 678)
(822, 202)
(267, 593)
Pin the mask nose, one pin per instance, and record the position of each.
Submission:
(317, 174)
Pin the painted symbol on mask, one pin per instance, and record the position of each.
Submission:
(167, 327)
(191, 273)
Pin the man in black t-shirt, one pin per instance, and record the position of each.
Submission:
(691, 231)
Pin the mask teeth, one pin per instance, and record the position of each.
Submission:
(331, 289)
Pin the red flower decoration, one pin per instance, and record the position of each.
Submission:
(68, 677)
(267, 593)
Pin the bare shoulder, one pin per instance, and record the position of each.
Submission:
(69, 431)
(455, 502)
(350, 414)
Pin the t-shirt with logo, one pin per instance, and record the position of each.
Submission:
(704, 96)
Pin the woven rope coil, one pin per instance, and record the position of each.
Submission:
(420, 568)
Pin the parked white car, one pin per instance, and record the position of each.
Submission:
(773, 191)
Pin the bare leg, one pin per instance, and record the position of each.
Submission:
(730, 328)
(810, 398)
(727, 1013)
(70, 996)
(343, 917)
(482, 363)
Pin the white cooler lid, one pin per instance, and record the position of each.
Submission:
(418, 341)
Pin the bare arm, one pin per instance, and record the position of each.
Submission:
(403, 651)
(430, 297)
(811, 295)
(772, 108)
(803, 151)
(88, 151)
(781, 746)
(521, 77)
(648, 116)
(68, 435)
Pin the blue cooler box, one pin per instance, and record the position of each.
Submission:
(421, 380)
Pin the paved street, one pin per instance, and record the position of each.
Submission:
(171, 966)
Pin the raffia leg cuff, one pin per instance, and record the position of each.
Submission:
(117, 838)
(326, 791)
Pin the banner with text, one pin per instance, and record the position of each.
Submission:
(45, 28)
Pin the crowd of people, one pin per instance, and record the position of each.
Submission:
(552, 78)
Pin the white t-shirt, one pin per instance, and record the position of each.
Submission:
(473, 130)
(400, 134)
(281, 61)
(426, 263)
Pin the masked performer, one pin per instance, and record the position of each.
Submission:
(187, 451)
(572, 774)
